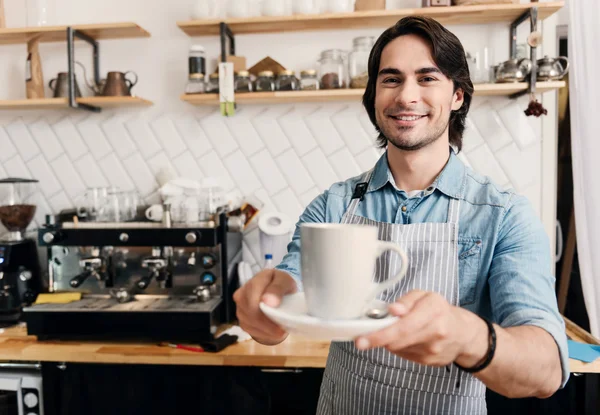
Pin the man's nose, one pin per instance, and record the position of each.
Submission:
(408, 93)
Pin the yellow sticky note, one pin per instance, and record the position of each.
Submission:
(57, 298)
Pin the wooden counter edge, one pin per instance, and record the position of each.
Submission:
(16, 345)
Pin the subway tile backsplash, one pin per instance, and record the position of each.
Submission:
(283, 155)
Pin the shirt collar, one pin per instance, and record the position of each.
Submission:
(450, 181)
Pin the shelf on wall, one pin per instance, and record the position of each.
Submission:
(282, 97)
(477, 14)
(13, 36)
(63, 103)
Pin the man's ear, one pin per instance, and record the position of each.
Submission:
(458, 100)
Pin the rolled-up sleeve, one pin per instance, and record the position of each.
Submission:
(522, 285)
(315, 212)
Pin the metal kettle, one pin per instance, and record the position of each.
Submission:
(550, 69)
(115, 84)
(513, 70)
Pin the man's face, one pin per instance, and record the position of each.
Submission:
(413, 98)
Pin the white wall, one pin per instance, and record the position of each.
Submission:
(284, 154)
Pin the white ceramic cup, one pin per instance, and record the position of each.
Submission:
(337, 267)
(155, 213)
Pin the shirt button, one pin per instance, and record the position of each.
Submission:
(430, 189)
(403, 208)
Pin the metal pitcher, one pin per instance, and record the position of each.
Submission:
(118, 85)
(60, 86)
(114, 85)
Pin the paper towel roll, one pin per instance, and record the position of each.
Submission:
(275, 233)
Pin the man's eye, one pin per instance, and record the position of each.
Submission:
(428, 79)
(390, 80)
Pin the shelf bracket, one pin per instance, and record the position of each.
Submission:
(532, 15)
(226, 33)
(71, 35)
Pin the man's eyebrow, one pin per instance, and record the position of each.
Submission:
(421, 71)
(390, 71)
(424, 71)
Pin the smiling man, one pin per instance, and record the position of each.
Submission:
(477, 307)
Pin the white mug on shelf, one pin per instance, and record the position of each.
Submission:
(306, 6)
(339, 6)
(238, 8)
(275, 7)
(206, 9)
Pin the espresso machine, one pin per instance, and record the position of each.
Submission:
(20, 271)
(135, 281)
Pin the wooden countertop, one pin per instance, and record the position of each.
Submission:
(295, 352)
(16, 345)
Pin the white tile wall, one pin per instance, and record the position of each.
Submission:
(284, 156)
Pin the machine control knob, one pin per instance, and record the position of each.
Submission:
(208, 261)
(191, 237)
(30, 400)
(123, 237)
(48, 237)
(25, 275)
(208, 278)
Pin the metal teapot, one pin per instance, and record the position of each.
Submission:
(115, 84)
(550, 69)
(513, 70)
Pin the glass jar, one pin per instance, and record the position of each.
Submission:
(197, 60)
(358, 61)
(332, 69)
(196, 70)
(243, 82)
(195, 84)
(264, 82)
(287, 81)
(309, 80)
(212, 86)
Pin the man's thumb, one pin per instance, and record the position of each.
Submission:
(281, 285)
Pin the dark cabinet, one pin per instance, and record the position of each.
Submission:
(100, 389)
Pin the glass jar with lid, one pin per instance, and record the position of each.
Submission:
(309, 80)
(287, 81)
(212, 86)
(358, 61)
(243, 83)
(196, 70)
(265, 82)
(332, 69)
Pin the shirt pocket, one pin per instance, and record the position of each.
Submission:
(469, 256)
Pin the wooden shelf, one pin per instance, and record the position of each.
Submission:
(283, 97)
(59, 33)
(491, 13)
(63, 103)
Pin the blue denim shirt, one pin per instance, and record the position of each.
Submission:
(504, 253)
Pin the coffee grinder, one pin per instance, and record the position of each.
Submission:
(20, 271)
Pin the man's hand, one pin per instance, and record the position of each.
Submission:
(268, 286)
(432, 332)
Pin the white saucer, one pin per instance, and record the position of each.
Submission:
(293, 316)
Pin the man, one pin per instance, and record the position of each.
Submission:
(477, 305)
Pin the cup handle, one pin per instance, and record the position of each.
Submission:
(390, 246)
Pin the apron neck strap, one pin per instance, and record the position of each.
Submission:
(453, 210)
(359, 194)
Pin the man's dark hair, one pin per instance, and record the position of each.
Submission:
(448, 55)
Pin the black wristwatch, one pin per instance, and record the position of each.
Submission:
(490, 354)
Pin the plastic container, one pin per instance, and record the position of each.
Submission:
(358, 61)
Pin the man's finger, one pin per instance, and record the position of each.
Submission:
(282, 284)
(422, 310)
(261, 323)
(405, 304)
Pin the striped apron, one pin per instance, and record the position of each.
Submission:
(379, 382)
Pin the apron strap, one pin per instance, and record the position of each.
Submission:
(359, 194)
(454, 210)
